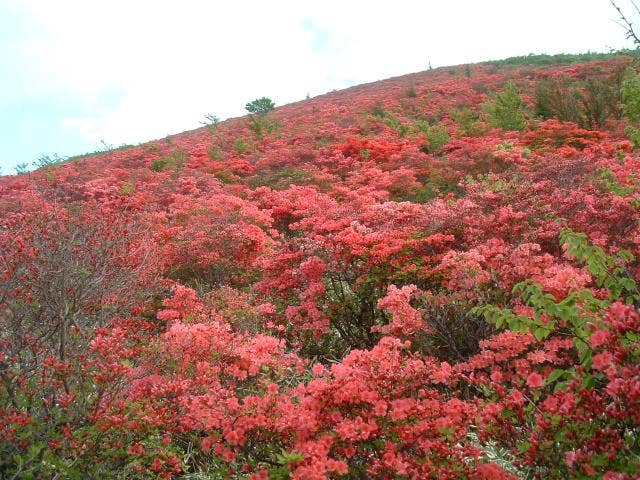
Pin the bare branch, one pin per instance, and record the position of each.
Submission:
(626, 23)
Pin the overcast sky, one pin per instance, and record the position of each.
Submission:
(73, 73)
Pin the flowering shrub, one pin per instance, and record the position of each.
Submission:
(572, 360)
(367, 284)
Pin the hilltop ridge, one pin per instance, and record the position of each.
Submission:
(535, 60)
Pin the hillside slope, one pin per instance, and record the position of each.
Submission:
(430, 276)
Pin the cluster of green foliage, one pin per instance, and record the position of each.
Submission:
(127, 188)
(435, 136)
(555, 98)
(609, 271)
(630, 102)
(42, 162)
(211, 122)
(506, 110)
(433, 185)
(214, 152)
(240, 146)
(378, 110)
(258, 122)
(587, 103)
(175, 161)
(280, 179)
(394, 122)
(599, 101)
(469, 124)
(260, 106)
(559, 59)
(262, 126)
(606, 179)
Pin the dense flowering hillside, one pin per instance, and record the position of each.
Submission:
(428, 277)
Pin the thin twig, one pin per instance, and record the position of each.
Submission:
(628, 26)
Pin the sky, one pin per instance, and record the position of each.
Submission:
(76, 75)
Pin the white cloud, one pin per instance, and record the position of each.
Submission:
(172, 62)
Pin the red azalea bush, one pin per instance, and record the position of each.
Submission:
(373, 283)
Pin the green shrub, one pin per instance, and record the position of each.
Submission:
(21, 168)
(214, 152)
(179, 157)
(127, 188)
(506, 110)
(556, 98)
(378, 110)
(599, 102)
(394, 122)
(630, 103)
(280, 179)
(47, 161)
(606, 179)
(240, 146)
(423, 194)
(261, 126)
(436, 136)
(160, 164)
(588, 104)
(434, 185)
(260, 106)
(211, 122)
(634, 135)
(226, 177)
(175, 161)
(480, 88)
(630, 95)
(469, 124)
(258, 122)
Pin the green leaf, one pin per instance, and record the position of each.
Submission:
(589, 381)
(540, 333)
(555, 375)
